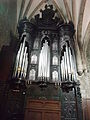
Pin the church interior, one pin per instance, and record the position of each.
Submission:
(44, 60)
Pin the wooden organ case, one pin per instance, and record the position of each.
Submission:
(43, 83)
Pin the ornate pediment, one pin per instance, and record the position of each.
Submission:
(48, 14)
(48, 17)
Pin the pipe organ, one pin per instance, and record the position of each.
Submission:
(46, 49)
(68, 68)
(67, 56)
(24, 48)
(44, 68)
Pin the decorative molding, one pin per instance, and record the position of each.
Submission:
(67, 10)
(59, 11)
(86, 38)
(37, 7)
(27, 8)
(80, 21)
(21, 9)
(74, 12)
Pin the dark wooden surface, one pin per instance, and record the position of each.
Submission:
(42, 110)
(6, 62)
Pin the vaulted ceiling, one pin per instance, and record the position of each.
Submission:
(74, 10)
(70, 10)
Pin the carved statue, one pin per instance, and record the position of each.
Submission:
(48, 13)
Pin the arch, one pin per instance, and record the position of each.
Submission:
(34, 59)
(55, 60)
(54, 46)
(45, 38)
(54, 76)
(32, 74)
(35, 46)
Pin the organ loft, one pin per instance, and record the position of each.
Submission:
(42, 80)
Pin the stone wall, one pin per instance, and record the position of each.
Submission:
(88, 56)
(8, 13)
(85, 78)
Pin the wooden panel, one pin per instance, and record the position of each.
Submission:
(43, 104)
(33, 115)
(52, 115)
(42, 110)
(6, 61)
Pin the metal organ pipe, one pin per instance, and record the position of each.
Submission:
(65, 66)
(26, 65)
(68, 59)
(73, 70)
(71, 63)
(43, 53)
(65, 59)
(22, 53)
(17, 61)
(44, 65)
(40, 60)
(17, 68)
(44, 62)
(68, 62)
(48, 62)
(74, 67)
(62, 68)
(68, 71)
(21, 61)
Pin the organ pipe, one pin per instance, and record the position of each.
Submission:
(17, 61)
(73, 68)
(68, 71)
(61, 70)
(71, 64)
(22, 53)
(44, 61)
(65, 60)
(21, 61)
(26, 65)
(68, 59)
(63, 66)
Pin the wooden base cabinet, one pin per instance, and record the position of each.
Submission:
(42, 110)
